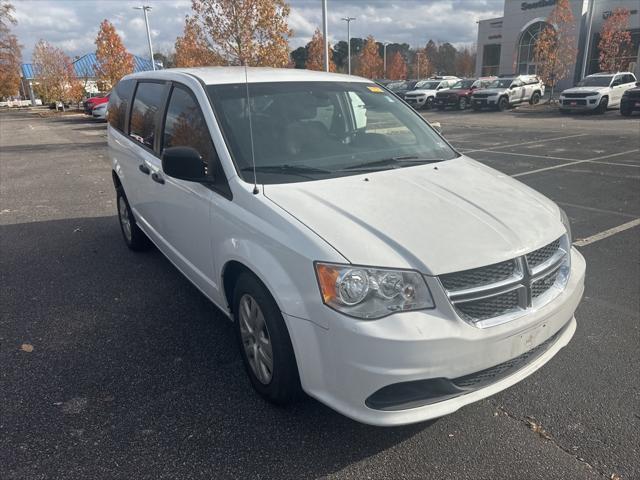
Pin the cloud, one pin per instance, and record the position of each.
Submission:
(73, 24)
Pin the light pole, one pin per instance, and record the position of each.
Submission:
(384, 56)
(145, 9)
(349, 20)
(325, 32)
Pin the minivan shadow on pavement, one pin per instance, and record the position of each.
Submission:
(132, 368)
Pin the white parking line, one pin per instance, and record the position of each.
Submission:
(594, 209)
(607, 233)
(575, 163)
(543, 140)
(530, 155)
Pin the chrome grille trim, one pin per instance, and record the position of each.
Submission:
(473, 304)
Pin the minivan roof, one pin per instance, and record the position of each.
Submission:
(224, 75)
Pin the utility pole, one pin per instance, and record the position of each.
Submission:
(349, 20)
(146, 9)
(384, 56)
(325, 32)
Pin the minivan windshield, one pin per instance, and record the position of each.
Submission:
(313, 130)
(502, 83)
(595, 82)
(427, 85)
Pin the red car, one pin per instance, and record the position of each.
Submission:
(459, 95)
(92, 102)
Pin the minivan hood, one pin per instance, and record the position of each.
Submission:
(435, 218)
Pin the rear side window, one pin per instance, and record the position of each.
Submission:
(145, 112)
(628, 79)
(185, 126)
(119, 100)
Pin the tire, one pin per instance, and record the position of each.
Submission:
(276, 380)
(135, 238)
(602, 106)
(626, 111)
(535, 98)
(429, 103)
(503, 104)
(462, 103)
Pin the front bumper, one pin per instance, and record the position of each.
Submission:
(416, 102)
(588, 103)
(489, 102)
(346, 364)
(446, 101)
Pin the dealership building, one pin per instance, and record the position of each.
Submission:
(506, 44)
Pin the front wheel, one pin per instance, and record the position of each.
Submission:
(265, 345)
(462, 103)
(429, 103)
(503, 104)
(602, 106)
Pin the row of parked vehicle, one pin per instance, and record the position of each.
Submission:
(597, 92)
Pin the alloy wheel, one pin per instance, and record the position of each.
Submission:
(255, 339)
(125, 221)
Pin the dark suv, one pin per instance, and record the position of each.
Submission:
(630, 101)
(459, 96)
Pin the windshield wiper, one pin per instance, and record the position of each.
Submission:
(285, 169)
(411, 159)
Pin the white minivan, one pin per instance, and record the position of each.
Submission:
(363, 259)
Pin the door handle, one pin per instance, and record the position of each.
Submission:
(157, 178)
(144, 169)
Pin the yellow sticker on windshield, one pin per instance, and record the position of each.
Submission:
(375, 89)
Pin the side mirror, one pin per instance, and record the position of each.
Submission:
(437, 126)
(184, 163)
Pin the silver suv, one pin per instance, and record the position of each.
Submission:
(503, 93)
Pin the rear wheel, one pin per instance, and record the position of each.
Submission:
(462, 103)
(602, 106)
(265, 345)
(134, 237)
(535, 98)
(503, 104)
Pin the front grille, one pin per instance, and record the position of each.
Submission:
(478, 277)
(490, 307)
(574, 102)
(578, 95)
(493, 294)
(545, 283)
(481, 95)
(543, 254)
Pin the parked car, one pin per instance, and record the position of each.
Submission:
(402, 87)
(361, 258)
(630, 101)
(459, 95)
(424, 93)
(92, 102)
(597, 92)
(99, 112)
(507, 92)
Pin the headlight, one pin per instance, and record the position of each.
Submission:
(369, 293)
(567, 224)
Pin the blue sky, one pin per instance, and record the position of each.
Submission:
(72, 24)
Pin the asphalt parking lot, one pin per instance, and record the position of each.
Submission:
(113, 366)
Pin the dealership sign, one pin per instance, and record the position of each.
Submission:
(538, 4)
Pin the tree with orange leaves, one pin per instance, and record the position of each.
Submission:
(615, 41)
(192, 49)
(113, 60)
(246, 32)
(315, 55)
(555, 49)
(397, 69)
(55, 79)
(370, 63)
(10, 53)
